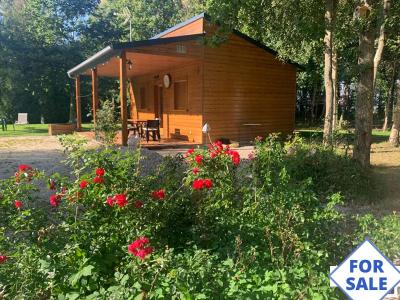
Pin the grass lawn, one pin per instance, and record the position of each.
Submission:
(33, 130)
(378, 136)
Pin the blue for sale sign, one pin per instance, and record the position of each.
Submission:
(366, 274)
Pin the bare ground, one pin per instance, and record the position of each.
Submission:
(45, 153)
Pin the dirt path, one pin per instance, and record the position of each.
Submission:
(43, 153)
(385, 160)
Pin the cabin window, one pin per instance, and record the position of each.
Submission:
(180, 95)
(143, 102)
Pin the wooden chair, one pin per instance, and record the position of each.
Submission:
(152, 127)
(137, 129)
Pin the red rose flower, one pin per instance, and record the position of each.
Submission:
(236, 160)
(138, 204)
(110, 201)
(98, 180)
(121, 200)
(54, 200)
(83, 184)
(195, 171)
(199, 184)
(216, 148)
(139, 248)
(235, 156)
(189, 152)
(100, 172)
(3, 259)
(199, 159)
(23, 168)
(24, 172)
(18, 204)
(218, 144)
(207, 183)
(160, 194)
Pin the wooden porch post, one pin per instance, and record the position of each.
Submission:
(95, 94)
(78, 103)
(122, 87)
(133, 112)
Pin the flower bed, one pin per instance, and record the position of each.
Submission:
(204, 225)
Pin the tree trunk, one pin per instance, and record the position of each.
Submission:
(329, 96)
(389, 101)
(345, 103)
(394, 134)
(335, 90)
(313, 98)
(364, 101)
(381, 39)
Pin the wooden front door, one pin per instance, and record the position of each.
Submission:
(159, 104)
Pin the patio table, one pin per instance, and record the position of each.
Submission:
(137, 126)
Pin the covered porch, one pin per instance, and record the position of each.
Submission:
(137, 65)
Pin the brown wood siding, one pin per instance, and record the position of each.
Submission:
(186, 122)
(195, 27)
(244, 84)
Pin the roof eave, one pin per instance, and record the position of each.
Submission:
(115, 49)
(182, 24)
(90, 63)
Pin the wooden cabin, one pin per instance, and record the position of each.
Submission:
(240, 88)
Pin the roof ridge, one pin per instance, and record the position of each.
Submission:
(182, 24)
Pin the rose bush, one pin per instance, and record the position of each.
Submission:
(205, 225)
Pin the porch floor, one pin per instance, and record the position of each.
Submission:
(154, 145)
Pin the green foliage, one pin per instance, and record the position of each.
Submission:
(254, 232)
(107, 123)
(329, 170)
(38, 45)
(385, 233)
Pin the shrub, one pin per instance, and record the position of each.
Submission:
(205, 225)
(385, 233)
(329, 170)
(107, 123)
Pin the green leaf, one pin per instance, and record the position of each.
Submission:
(86, 271)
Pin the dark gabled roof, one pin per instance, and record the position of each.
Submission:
(115, 49)
(236, 32)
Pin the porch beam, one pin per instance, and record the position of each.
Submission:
(122, 91)
(95, 95)
(78, 103)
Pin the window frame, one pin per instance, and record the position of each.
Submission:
(186, 102)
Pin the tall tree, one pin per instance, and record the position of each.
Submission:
(368, 12)
(390, 95)
(38, 43)
(394, 134)
(329, 70)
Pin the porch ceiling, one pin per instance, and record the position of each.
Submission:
(147, 56)
(142, 63)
